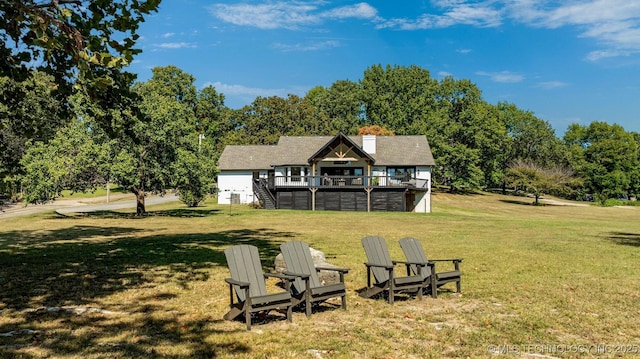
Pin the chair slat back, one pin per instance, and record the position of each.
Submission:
(298, 259)
(414, 252)
(377, 252)
(244, 265)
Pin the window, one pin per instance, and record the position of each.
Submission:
(400, 174)
(296, 172)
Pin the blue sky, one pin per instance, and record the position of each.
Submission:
(566, 61)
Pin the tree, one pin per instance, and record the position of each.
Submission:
(529, 139)
(339, 106)
(212, 122)
(483, 131)
(606, 156)
(145, 162)
(634, 188)
(82, 44)
(532, 139)
(374, 130)
(212, 115)
(538, 180)
(463, 133)
(460, 170)
(71, 160)
(268, 118)
(396, 97)
(29, 109)
(158, 154)
(192, 178)
(466, 134)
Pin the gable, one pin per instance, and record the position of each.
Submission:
(341, 148)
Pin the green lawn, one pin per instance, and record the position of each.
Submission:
(99, 192)
(543, 280)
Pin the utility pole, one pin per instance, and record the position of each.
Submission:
(200, 137)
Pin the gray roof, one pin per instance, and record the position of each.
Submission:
(402, 151)
(296, 151)
(249, 157)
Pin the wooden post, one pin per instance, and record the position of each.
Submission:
(368, 190)
(313, 198)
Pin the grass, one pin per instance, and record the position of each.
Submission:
(99, 192)
(537, 280)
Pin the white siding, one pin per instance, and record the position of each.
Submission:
(423, 199)
(236, 182)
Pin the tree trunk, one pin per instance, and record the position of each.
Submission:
(140, 209)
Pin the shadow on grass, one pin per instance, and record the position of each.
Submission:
(180, 213)
(71, 264)
(66, 334)
(527, 203)
(79, 265)
(627, 239)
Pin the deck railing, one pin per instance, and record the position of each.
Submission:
(345, 181)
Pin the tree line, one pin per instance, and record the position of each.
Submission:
(72, 117)
(182, 131)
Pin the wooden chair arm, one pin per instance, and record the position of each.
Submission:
(280, 276)
(301, 275)
(459, 260)
(378, 265)
(335, 269)
(232, 281)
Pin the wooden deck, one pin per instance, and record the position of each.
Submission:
(345, 182)
(341, 193)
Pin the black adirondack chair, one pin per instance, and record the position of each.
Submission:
(414, 252)
(306, 288)
(248, 282)
(380, 264)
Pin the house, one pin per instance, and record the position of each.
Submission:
(351, 173)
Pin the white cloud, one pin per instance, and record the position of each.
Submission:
(549, 85)
(168, 34)
(481, 14)
(358, 11)
(463, 51)
(315, 46)
(267, 16)
(176, 45)
(590, 12)
(237, 96)
(475, 14)
(615, 24)
(503, 76)
(605, 54)
(289, 15)
(247, 92)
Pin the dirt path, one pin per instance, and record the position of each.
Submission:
(119, 201)
(556, 202)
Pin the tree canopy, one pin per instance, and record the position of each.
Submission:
(606, 156)
(69, 39)
(173, 133)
